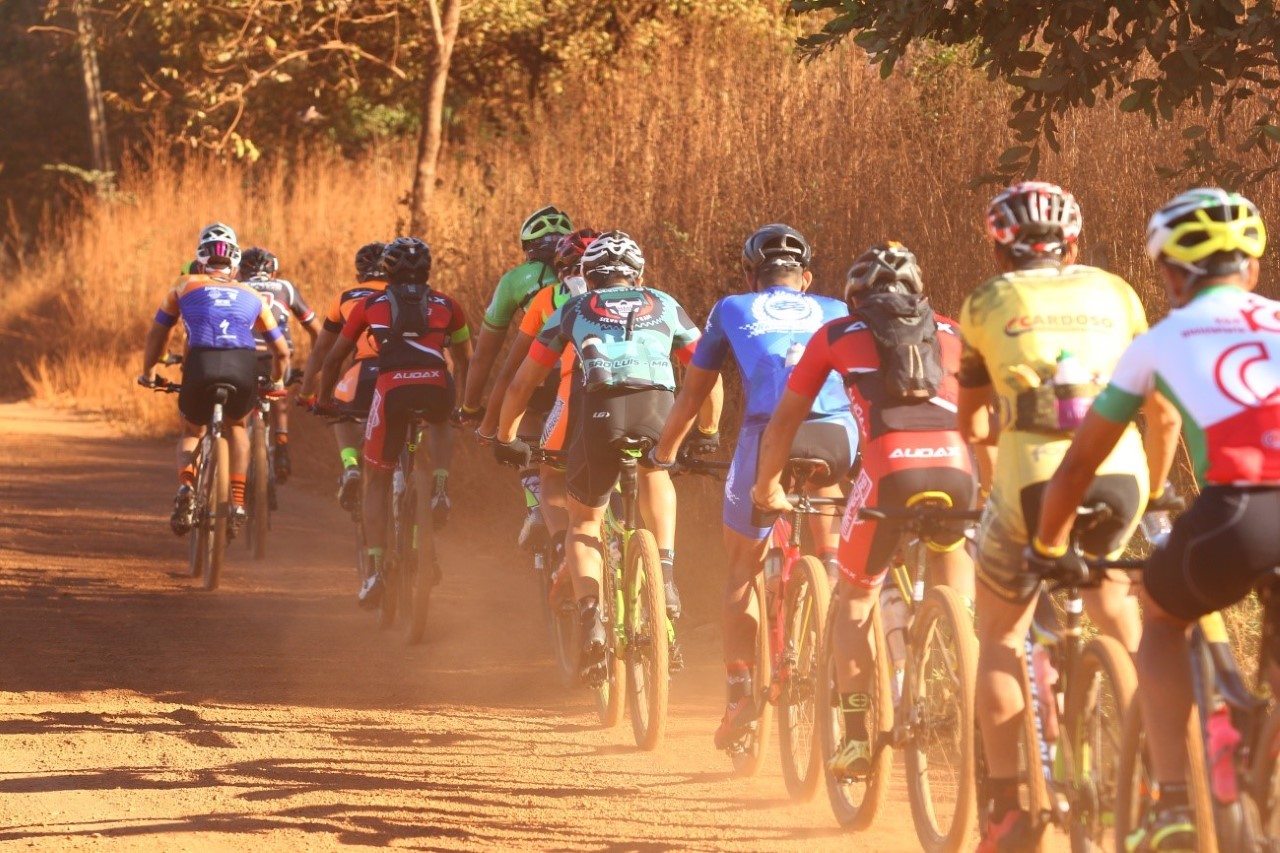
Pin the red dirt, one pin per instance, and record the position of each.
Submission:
(140, 713)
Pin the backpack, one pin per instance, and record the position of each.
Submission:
(408, 311)
(906, 336)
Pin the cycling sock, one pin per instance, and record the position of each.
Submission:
(282, 436)
(187, 475)
(739, 680)
(532, 487)
(375, 559)
(441, 475)
(667, 556)
(350, 457)
(853, 707)
(1003, 795)
(1171, 795)
(237, 489)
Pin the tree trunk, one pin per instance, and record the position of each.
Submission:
(96, 109)
(444, 26)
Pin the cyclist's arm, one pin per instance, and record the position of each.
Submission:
(331, 368)
(1164, 423)
(157, 342)
(775, 449)
(515, 357)
(458, 347)
(709, 414)
(700, 385)
(530, 375)
(307, 318)
(488, 345)
(279, 358)
(319, 350)
(973, 405)
(1092, 444)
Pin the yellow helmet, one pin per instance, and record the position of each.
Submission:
(1204, 222)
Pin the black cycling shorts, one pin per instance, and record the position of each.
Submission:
(401, 394)
(203, 368)
(598, 419)
(1218, 550)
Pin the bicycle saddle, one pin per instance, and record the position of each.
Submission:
(222, 391)
(803, 469)
(632, 444)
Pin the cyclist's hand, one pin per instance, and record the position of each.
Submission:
(651, 460)
(484, 439)
(1068, 567)
(515, 453)
(700, 443)
(1168, 501)
(775, 500)
(465, 416)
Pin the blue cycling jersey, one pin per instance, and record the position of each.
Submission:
(767, 332)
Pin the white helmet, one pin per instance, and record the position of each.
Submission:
(217, 231)
(612, 252)
(218, 254)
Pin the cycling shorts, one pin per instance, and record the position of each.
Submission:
(354, 391)
(1219, 549)
(898, 468)
(1003, 537)
(397, 397)
(557, 425)
(202, 368)
(597, 420)
(832, 439)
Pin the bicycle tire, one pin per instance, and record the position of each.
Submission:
(197, 537)
(938, 697)
(388, 606)
(645, 614)
(749, 753)
(220, 475)
(417, 566)
(542, 570)
(259, 485)
(805, 617)
(566, 633)
(1039, 803)
(1135, 782)
(855, 804)
(1099, 693)
(610, 694)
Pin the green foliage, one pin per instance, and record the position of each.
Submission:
(1218, 56)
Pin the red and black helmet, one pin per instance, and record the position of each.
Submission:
(570, 248)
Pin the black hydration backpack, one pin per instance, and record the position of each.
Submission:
(906, 335)
(409, 310)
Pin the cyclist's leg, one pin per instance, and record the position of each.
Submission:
(384, 437)
(643, 413)
(948, 560)
(554, 498)
(1114, 606)
(354, 396)
(592, 470)
(440, 442)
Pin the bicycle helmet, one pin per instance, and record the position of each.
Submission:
(406, 260)
(369, 261)
(885, 267)
(217, 254)
(258, 262)
(549, 220)
(1207, 231)
(776, 245)
(613, 252)
(1034, 218)
(217, 231)
(570, 248)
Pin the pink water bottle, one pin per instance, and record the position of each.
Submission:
(1223, 740)
(1071, 408)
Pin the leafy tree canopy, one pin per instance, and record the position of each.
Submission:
(1219, 57)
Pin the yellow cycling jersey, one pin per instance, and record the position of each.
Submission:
(1015, 329)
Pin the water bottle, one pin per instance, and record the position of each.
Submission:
(1223, 740)
(1071, 409)
(793, 354)
(594, 364)
(1156, 527)
(894, 615)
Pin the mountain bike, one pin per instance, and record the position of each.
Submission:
(260, 485)
(410, 568)
(1233, 741)
(1076, 694)
(922, 690)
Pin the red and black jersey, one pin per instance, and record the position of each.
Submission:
(847, 346)
(444, 324)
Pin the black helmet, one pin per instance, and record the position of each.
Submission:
(406, 260)
(612, 252)
(258, 261)
(884, 267)
(776, 245)
(369, 261)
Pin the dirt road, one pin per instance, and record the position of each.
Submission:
(139, 713)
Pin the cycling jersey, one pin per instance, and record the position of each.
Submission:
(516, 287)
(1218, 360)
(767, 332)
(217, 313)
(342, 306)
(624, 337)
(445, 324)
(284, 300)
(555, 427)
(540, 309)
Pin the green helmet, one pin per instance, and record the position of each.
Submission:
(550, 220)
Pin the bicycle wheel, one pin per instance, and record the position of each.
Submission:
(804, 616)
(937, 707)
(220, 505)
(610, 694)
(416, 565)
(645, 615)
(566, 635)
(198, 536)
(388, 605)
(1136, 781)
(259, 484)
(1099, 693)
(748, 753)
(856, 802)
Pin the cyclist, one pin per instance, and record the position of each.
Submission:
(1206, 244)
(539, 236)
(220, 316)
(258, 268)
(766, 330)
(211, 232)
(623, 333)
(909, 446)
(412, 324)
(354, 392)
(1042, 332)
(568, 266)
